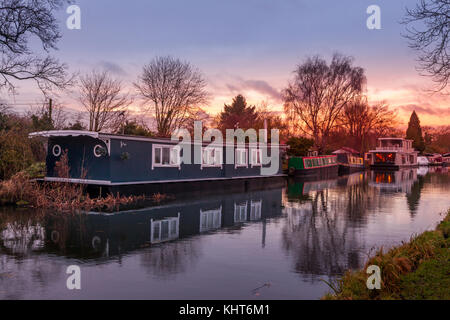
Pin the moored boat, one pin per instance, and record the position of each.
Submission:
(314, 167)
(136, 165)
(423, 161)
(349, 161)
(393, 154)
(446, 159)
(434, 159)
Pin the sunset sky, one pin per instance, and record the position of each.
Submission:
(249, 47)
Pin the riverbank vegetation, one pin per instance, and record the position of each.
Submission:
(22, 190)
(418, 269)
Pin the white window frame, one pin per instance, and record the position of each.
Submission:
(217, 161)
(236, 164)
(238, 213)
(172, 150)
(156, 238)
(255, 210)
(210, 216)
(256, 151)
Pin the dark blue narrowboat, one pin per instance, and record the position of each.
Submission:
(132, 163)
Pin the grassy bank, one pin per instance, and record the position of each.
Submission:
(419, 269)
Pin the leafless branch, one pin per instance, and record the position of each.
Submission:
(428, 27)
(20, 20)
(319, 93)
(102, 98)
(173, 90)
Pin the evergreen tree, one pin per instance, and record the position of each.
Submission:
(414, 132)
(238, 115)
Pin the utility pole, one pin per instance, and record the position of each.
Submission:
(50, 111)
(50, 107)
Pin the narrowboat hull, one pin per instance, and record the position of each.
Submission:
(317, 173)
(188, 189)
(349, 168)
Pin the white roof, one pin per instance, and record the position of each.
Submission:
(64, 133)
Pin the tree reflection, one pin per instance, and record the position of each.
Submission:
(322, 234)
(171, 258)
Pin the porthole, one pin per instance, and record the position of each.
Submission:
(56, 150)
(99, 151)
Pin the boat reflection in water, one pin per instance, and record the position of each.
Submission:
(393, 181)
(221, 246)
(106, 235)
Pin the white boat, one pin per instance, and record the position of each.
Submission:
(423, 161)
(393, 153)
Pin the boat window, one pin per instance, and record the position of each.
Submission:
(164, 230)
(241, 158)
(212, 157)
(385, 157)
(255, 210)
(240, 212)
(56, 150)
(99, 151)
(210, 220)
(166, 156)
(256, 157)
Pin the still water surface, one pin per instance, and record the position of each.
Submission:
(272, 244)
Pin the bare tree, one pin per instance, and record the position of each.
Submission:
(20, 21)
(319, 93)
(431, 38)
(174, 90)
(360, 120)
(102, 97)
(49, 115)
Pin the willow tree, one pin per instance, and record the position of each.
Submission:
(319, 92)
(173, 91)
(414, 132)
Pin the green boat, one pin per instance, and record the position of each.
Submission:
(313, 167)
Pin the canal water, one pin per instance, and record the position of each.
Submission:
(279, 243)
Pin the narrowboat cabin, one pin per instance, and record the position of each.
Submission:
(349, 161)
(135, 164)
(435, 159)
(313, 166)
(393, 154)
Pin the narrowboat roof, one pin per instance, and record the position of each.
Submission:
(64, 133)
(346, 150)
(100, 135)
